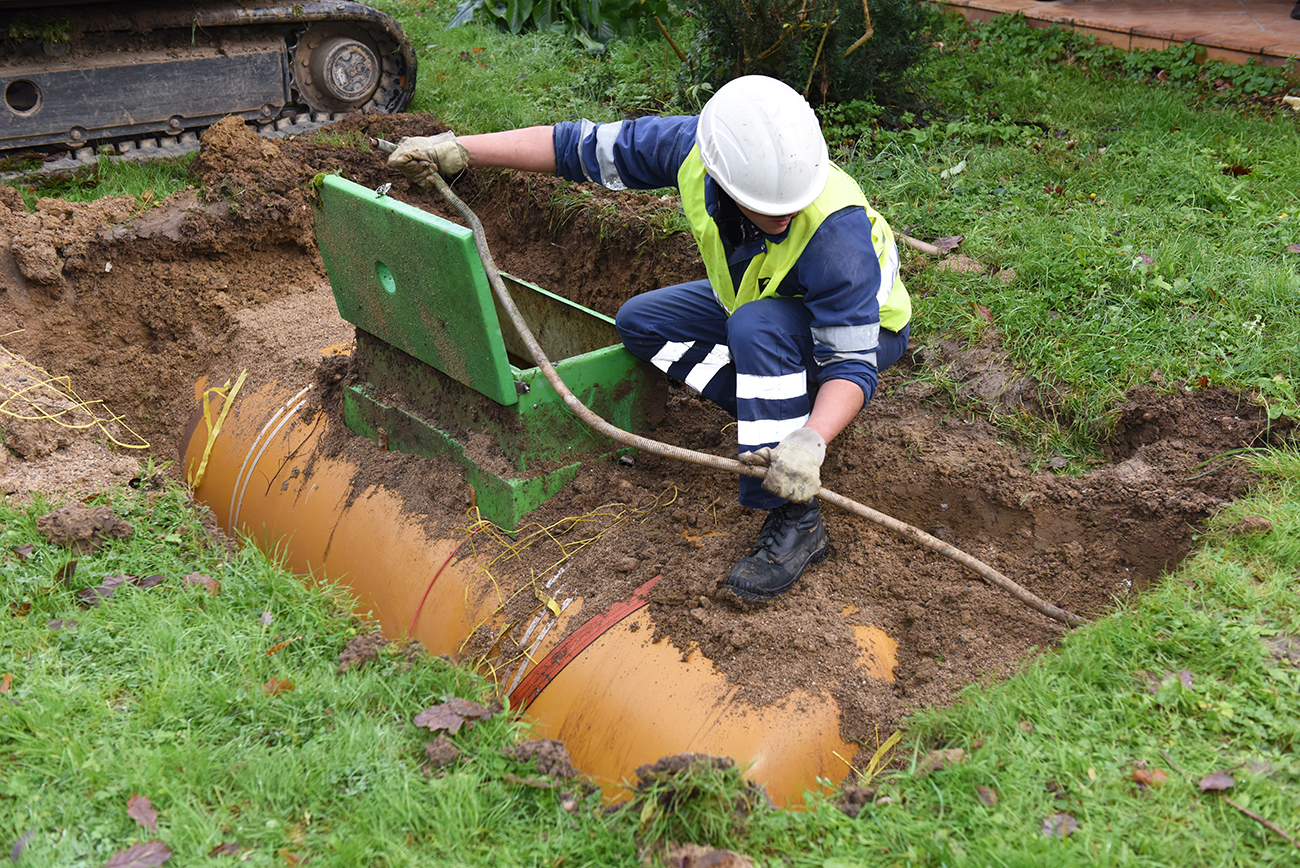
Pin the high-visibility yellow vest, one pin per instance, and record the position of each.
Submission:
(767, 269)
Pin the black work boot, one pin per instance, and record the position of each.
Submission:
(792, 537)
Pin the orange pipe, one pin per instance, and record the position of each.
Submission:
(615, 698)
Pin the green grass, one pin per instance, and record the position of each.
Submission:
(149, 182)
(1119, 204)
(160, 691)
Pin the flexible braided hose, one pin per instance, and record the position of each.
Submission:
(716, 462)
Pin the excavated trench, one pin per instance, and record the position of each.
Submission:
(142, 310)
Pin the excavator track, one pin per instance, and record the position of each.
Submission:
(156, 147)
(139, 79)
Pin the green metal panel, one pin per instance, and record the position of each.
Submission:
(414, 280)
(503, 498)
(432, 341)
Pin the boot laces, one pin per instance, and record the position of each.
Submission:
(779, 523)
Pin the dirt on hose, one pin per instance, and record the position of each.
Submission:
(134, 308)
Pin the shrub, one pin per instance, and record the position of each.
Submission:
(815, 46)
(592, 22)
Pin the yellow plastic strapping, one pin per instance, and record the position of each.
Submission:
(227, 392)
(60, 388)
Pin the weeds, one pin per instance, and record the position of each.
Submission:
(148, 181)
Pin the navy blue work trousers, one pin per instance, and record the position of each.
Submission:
(757, 363)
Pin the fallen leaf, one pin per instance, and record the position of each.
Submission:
(1236, 171)
(60, 624)
(139, 809)
(92, 597)
(949, 242)
(987, 796)
(150, 854)
(1186, 678)
(148, 581)
(1150, 777)
(937, 760)
(276, 686)
(266, 619)
(20, 845)
(451, 714)
(229, 848)
(290, 857)
(1292, 248)
(19, 610)
(24, 551)
(1024, 725)
(66, 572)
(698, 856)
(1217, 781)
(202, 579)
(1060, 825)
(280, 645)
(5, 681)
(982, 312)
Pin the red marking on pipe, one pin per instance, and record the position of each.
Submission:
(574, 644)
(419, 607)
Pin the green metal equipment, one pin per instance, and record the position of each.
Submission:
(442, 375)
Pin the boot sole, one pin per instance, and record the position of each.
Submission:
(754, 595)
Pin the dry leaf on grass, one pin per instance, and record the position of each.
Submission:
(202, 580)
(1217, 781)
(92, 597)
(1150, 777)
(1060, 825)
(229, 848)
(138, 808)
(937, 760)
(276, 686)
(150, 854)
(451, 714)
(20, 845)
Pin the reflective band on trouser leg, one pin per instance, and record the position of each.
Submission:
(772, 346)
(682, 331)
(695, 363)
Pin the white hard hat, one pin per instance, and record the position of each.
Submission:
(761, 141)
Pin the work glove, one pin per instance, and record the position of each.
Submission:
(793, 465)
(419, 157)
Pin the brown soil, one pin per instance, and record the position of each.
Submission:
(134, 308)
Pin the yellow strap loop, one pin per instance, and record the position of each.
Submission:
(227, 392)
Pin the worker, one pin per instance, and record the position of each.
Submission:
(803, 305)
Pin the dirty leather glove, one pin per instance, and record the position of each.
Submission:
(793, 465)
(419, 157)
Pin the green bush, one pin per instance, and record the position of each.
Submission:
(815, 46)
(592, 22)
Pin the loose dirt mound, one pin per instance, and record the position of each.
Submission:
(136, 308)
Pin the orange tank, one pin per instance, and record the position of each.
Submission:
(615, 698)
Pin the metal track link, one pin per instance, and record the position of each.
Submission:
(160, 147)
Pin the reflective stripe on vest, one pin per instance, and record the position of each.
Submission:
(766, 270)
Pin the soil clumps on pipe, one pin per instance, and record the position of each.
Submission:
(136, 307)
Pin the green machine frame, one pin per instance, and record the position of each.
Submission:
(446, 373)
